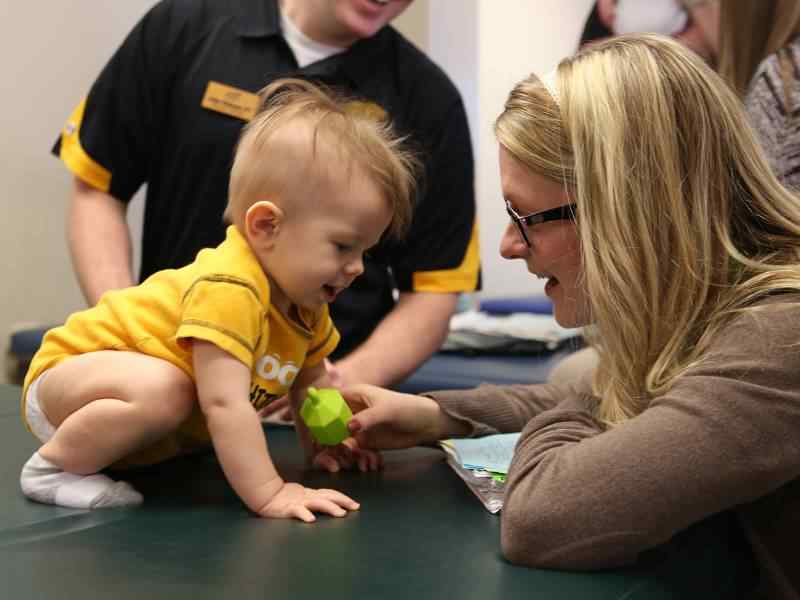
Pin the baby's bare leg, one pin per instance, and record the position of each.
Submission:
(104, 406)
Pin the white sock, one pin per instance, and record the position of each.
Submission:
(44, 482)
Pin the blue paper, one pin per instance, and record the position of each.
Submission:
(490, 453)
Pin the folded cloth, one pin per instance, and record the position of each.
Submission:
(477, 331)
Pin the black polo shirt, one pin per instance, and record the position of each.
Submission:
(143, 122)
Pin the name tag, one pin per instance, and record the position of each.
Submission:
(367, 110)
(231, 101)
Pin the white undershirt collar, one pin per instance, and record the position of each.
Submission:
(306, 51)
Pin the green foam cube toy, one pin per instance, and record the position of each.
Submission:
(326, 414)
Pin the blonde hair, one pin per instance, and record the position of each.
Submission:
(752, 30)
(682, 223)
(269, 159)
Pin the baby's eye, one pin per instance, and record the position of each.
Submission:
(343, 247)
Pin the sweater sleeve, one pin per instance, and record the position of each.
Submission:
(490, 409)
(581, 497)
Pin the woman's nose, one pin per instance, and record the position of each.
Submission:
(511, 244)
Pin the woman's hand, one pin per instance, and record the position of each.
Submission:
(387, 420)
(299, 502)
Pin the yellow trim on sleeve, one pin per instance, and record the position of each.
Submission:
(75, 157)
(463, 278)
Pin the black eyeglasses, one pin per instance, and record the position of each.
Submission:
(567, 211)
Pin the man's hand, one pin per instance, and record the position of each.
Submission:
(277, 411)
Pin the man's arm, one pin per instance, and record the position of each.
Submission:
(99, 241)
(402, 341)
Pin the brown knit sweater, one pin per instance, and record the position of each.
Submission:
(727, 435)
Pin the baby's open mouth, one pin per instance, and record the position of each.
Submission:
(331, 292)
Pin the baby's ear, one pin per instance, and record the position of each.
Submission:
(263, 222)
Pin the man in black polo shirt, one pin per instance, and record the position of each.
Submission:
(167, 110)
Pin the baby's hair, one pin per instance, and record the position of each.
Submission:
(268, 160)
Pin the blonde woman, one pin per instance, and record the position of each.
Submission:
(650, 208)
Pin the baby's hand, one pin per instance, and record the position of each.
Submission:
(347, 455)
(296, 501)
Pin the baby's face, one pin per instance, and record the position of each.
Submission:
(320, 247)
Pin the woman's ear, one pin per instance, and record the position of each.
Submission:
(262, 223)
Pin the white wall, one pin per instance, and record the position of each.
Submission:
(413, 23)
(487, 46)
(48, 57)
(516, 38)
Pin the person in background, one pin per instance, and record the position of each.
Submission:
(755, 46)
(168, 107)
(681, 20)
(184, 360)
(636, 186)
(599, 22)
(758, 53)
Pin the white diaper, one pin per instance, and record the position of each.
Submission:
(37, 420)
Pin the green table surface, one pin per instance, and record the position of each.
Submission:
(420, 534)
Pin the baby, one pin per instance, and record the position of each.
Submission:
(188, 357)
